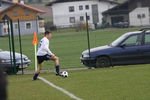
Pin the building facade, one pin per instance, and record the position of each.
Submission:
(135, 12)
(27, 16)
(140, 16)
(68, 13)
(117, 14)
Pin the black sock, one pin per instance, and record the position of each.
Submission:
(35, 76)
(57, 69)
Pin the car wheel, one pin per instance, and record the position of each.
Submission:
(102, 62)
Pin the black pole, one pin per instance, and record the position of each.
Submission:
(9, 36)
(20, 42)
(37, 27)
(13, 46)
(88, 36)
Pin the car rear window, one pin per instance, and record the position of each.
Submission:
(147, 39)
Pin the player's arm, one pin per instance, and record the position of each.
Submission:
(49, 51)
(46, 48)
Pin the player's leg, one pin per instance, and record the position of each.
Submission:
(37, 72)
(40, 61)
(56, 62)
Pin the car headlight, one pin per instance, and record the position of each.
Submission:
(26, 59)
(4, 61)
(86, 55)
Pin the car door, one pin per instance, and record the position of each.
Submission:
(128, 51)
(145, 49)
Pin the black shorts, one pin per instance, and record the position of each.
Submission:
(41, 59)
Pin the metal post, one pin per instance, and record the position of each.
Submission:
(9, 35)
(20, 42)
(37, 27)
(13, 45)
(88, 36)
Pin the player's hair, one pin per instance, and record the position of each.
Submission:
(47, 32)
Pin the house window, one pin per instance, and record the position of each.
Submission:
(27, 13)
(41, 24)
(5, 23)
(71, 9)
(6, 30)
(87, 7)
(28, 25)
(72, 19)
(81, 18)
(143, 15)
(88, 17)
(15, 14)
(80, 7)
(16, 26)
(140, 16)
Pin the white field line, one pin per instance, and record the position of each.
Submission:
(60, 89)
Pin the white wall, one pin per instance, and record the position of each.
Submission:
(24, 31)
(135, 21)
(61, 12)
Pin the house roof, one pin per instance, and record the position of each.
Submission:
(61, 1)
(29, 7)
(7, 2)
(22, 5)
(121, 9)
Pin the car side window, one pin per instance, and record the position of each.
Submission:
(147, 39)
(133, 40)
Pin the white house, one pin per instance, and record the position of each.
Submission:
(67, 13)
(135, 12)
(140, 16)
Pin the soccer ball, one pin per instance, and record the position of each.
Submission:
(64, 74)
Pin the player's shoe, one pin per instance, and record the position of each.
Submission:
(35, 77)
(58, 74)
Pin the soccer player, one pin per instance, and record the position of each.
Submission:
(45, 54)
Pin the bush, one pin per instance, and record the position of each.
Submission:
(79, 26)
(50, 27)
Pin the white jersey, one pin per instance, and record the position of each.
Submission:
(43, 48)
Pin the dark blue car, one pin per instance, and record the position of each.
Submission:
(130, 48)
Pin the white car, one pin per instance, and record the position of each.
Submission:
(5, 61)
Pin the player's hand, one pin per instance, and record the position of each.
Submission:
(53, 55)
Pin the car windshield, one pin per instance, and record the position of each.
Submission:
(119, 40)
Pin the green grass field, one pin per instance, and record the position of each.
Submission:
(68, 45)
(117, 83)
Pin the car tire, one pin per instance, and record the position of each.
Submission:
(102, 62)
